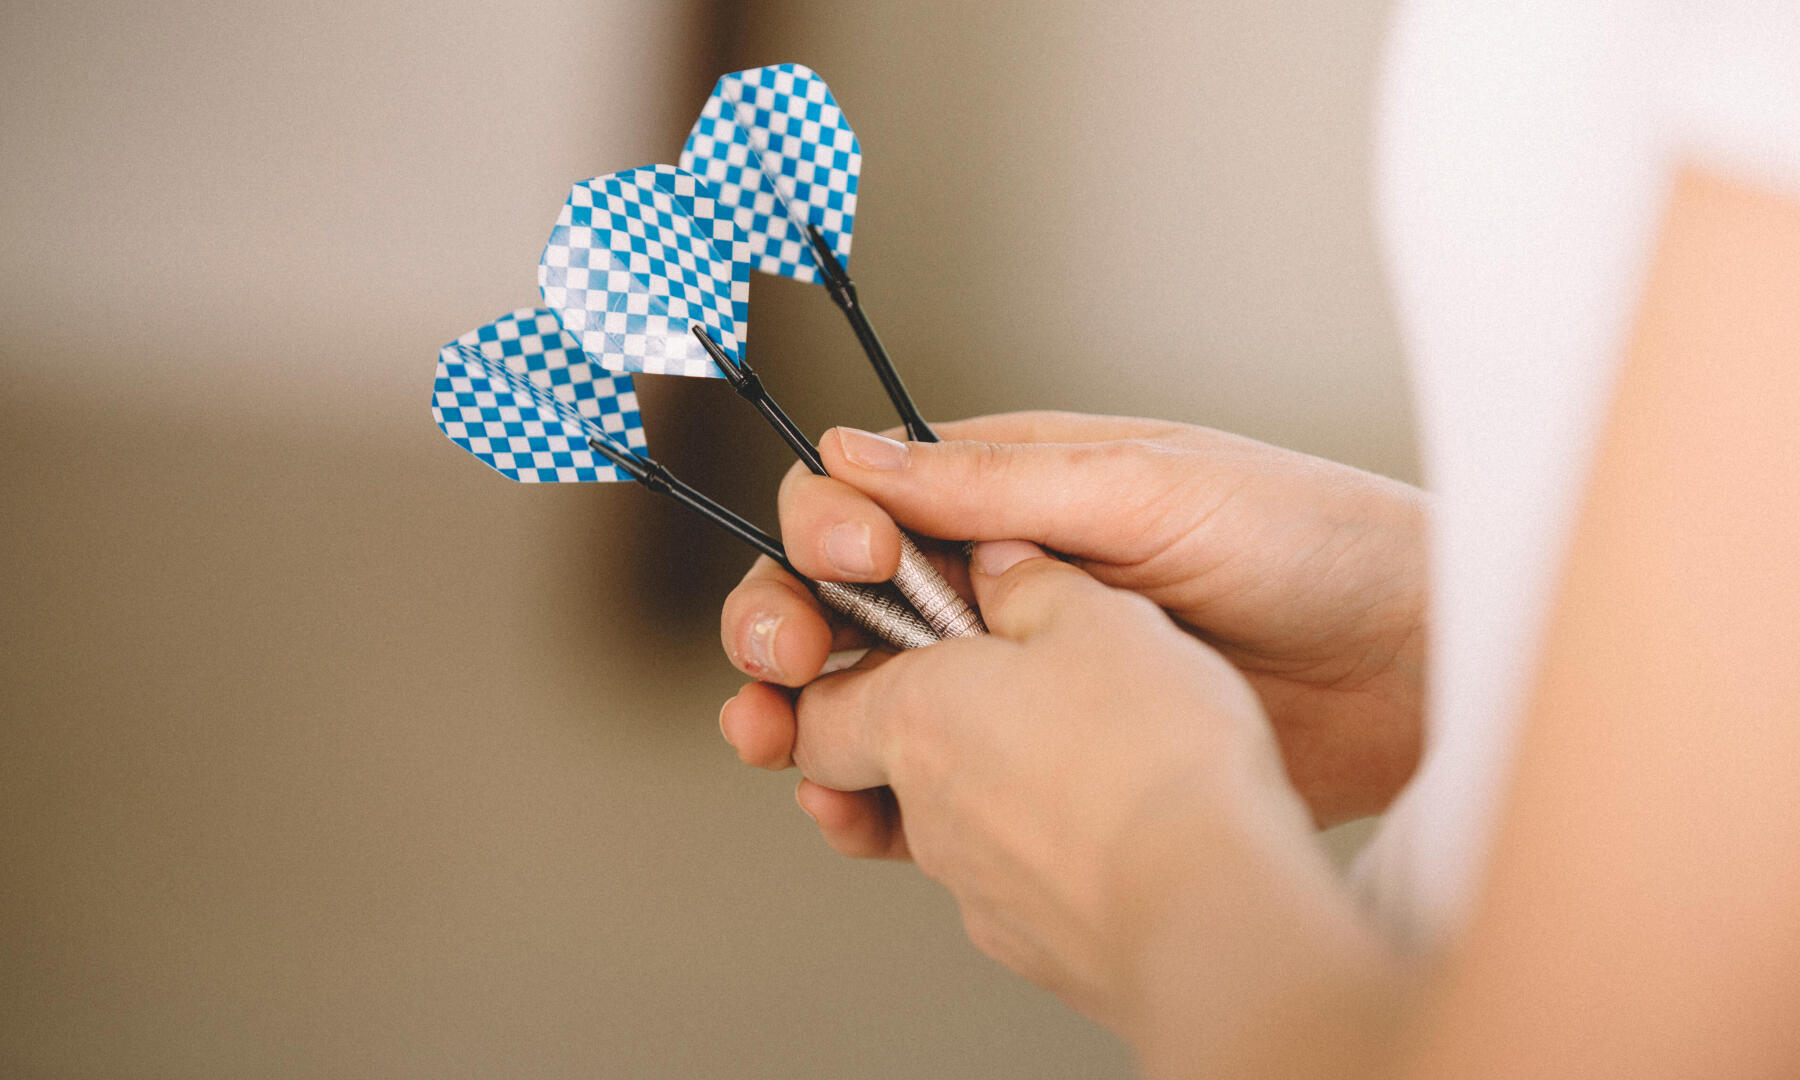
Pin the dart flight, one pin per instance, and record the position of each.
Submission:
(638, 256)
(774, 143)
(786, 163)
(521, 396)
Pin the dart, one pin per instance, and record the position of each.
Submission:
(785, 164)
(637, 258)
(519, 395)
(916, 579)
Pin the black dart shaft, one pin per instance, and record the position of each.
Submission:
(843, 294)
(879, 609)
(933, 597)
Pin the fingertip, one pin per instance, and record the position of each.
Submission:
(1020, 590)
(833, 532)
(831, 448)
(805, 795)
(773, 630)
(759, 724)
(789, 648)
(993, 558)
(854, 823)
(865, 551)
(866, 450)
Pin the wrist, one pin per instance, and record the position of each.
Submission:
(1249, 959)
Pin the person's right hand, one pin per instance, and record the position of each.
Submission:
(1308, 575)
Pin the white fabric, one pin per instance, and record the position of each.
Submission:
(1526, 149)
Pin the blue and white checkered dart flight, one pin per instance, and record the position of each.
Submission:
(520, 395)
(785, 163)
(774, 143)
(635, 259)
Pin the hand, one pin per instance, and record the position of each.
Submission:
(1307, 575)
(1052, 775)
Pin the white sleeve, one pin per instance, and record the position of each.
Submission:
(1734, 87)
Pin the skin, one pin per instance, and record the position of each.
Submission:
(1646, 882)
(1307, 575)
(1119, 785)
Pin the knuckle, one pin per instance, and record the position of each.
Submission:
(802, 757)
(1035, 595)
(810, 712)
(890, 719)
(1017, 585)
(983, 932)
(1108, 456)
(988, 462)
(901, 721)
(807, 761)
(927, 858)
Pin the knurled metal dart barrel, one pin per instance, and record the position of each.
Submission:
(917, 579)
(882, 610)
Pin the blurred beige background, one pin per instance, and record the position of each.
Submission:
(327, 752)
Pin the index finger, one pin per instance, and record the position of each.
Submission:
(1036, 425)
(1049, 425)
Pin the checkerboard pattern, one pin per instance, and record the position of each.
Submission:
(519, 395)
(781, 154)
(635, 259)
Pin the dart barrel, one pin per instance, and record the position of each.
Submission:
(932, 596)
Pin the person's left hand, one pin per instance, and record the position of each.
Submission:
(1046, 773)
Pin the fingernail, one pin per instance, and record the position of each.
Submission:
(802, 805)
(872, 451)
(847, 548)
(722, 710)
(761, 645)
(996, 557)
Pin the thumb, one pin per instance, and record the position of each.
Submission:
(1063, 495)
(1022, 591)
